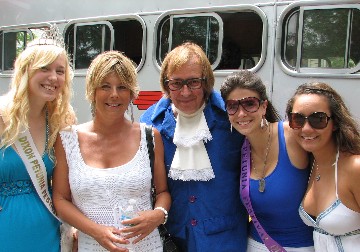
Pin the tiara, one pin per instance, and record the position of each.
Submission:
(50, 36)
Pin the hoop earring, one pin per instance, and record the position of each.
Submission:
(263, 122)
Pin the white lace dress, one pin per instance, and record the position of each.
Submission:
(97, 192)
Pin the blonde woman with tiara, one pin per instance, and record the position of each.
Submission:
(36, 107)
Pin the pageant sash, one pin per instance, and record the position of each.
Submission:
(271, 245)
(35, 167)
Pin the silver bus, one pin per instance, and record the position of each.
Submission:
(286, 43)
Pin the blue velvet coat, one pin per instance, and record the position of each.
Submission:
(205, 215)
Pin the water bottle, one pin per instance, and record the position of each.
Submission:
(130, 211)
(126, 213)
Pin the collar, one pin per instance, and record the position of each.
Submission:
(163, 112)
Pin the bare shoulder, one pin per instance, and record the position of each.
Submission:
(68, 128)
(349, 166)
(287, 130)
(298, 156)
(156, 132)
(351, 171)
(158, 140)
(83, 128)
(290, 139)
(352, 165)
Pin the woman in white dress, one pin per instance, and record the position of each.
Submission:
(322, 125)
(102, 164)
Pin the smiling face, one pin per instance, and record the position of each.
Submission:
(245, 122)
(186, 100)
(311, 139)
(112, 97)
(47, 82)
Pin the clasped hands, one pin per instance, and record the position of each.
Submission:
(138, 227)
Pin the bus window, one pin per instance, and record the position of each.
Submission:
(90, 40)
(231, 40)
(1, 51)
(322, 38)
(86, 40)
(128, 35)
(202, 29)
(12, 43)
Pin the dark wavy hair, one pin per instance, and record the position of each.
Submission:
(248, 80)
(347, 134)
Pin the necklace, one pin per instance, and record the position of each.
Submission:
(47, 129)
(317, 176)
(262, 178)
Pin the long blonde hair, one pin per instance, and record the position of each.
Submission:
(16, 107)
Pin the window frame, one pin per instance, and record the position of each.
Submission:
(17, 29)
(238, 8)
(208, 14)
(107, 21)
(282, 31)
(82, 24)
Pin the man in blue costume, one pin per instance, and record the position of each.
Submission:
(202, 156)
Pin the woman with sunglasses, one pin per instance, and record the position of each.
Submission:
(273, 172)
(323, 126)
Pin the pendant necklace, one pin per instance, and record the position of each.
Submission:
(318, 176)
(262, 179)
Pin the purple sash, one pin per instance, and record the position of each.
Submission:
(272, 245)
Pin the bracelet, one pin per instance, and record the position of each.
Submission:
(165, 213)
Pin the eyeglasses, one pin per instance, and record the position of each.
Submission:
(249, 104)
(177, 84)
(317, 120)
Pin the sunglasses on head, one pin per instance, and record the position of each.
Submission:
(317, 120)
(249, 104)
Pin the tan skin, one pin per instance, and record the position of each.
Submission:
(248, 124)
(99, 146)
(321, 194)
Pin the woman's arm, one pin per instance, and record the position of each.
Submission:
(163, 198)
(147, 221)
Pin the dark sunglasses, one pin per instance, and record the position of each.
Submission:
(249, 104)
(317, 120)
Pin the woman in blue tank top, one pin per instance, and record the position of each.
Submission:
(274, 171)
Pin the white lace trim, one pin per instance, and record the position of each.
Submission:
(192, 174)
(201, 135)
(191, 160)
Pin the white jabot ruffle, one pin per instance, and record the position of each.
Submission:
(191, 160)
